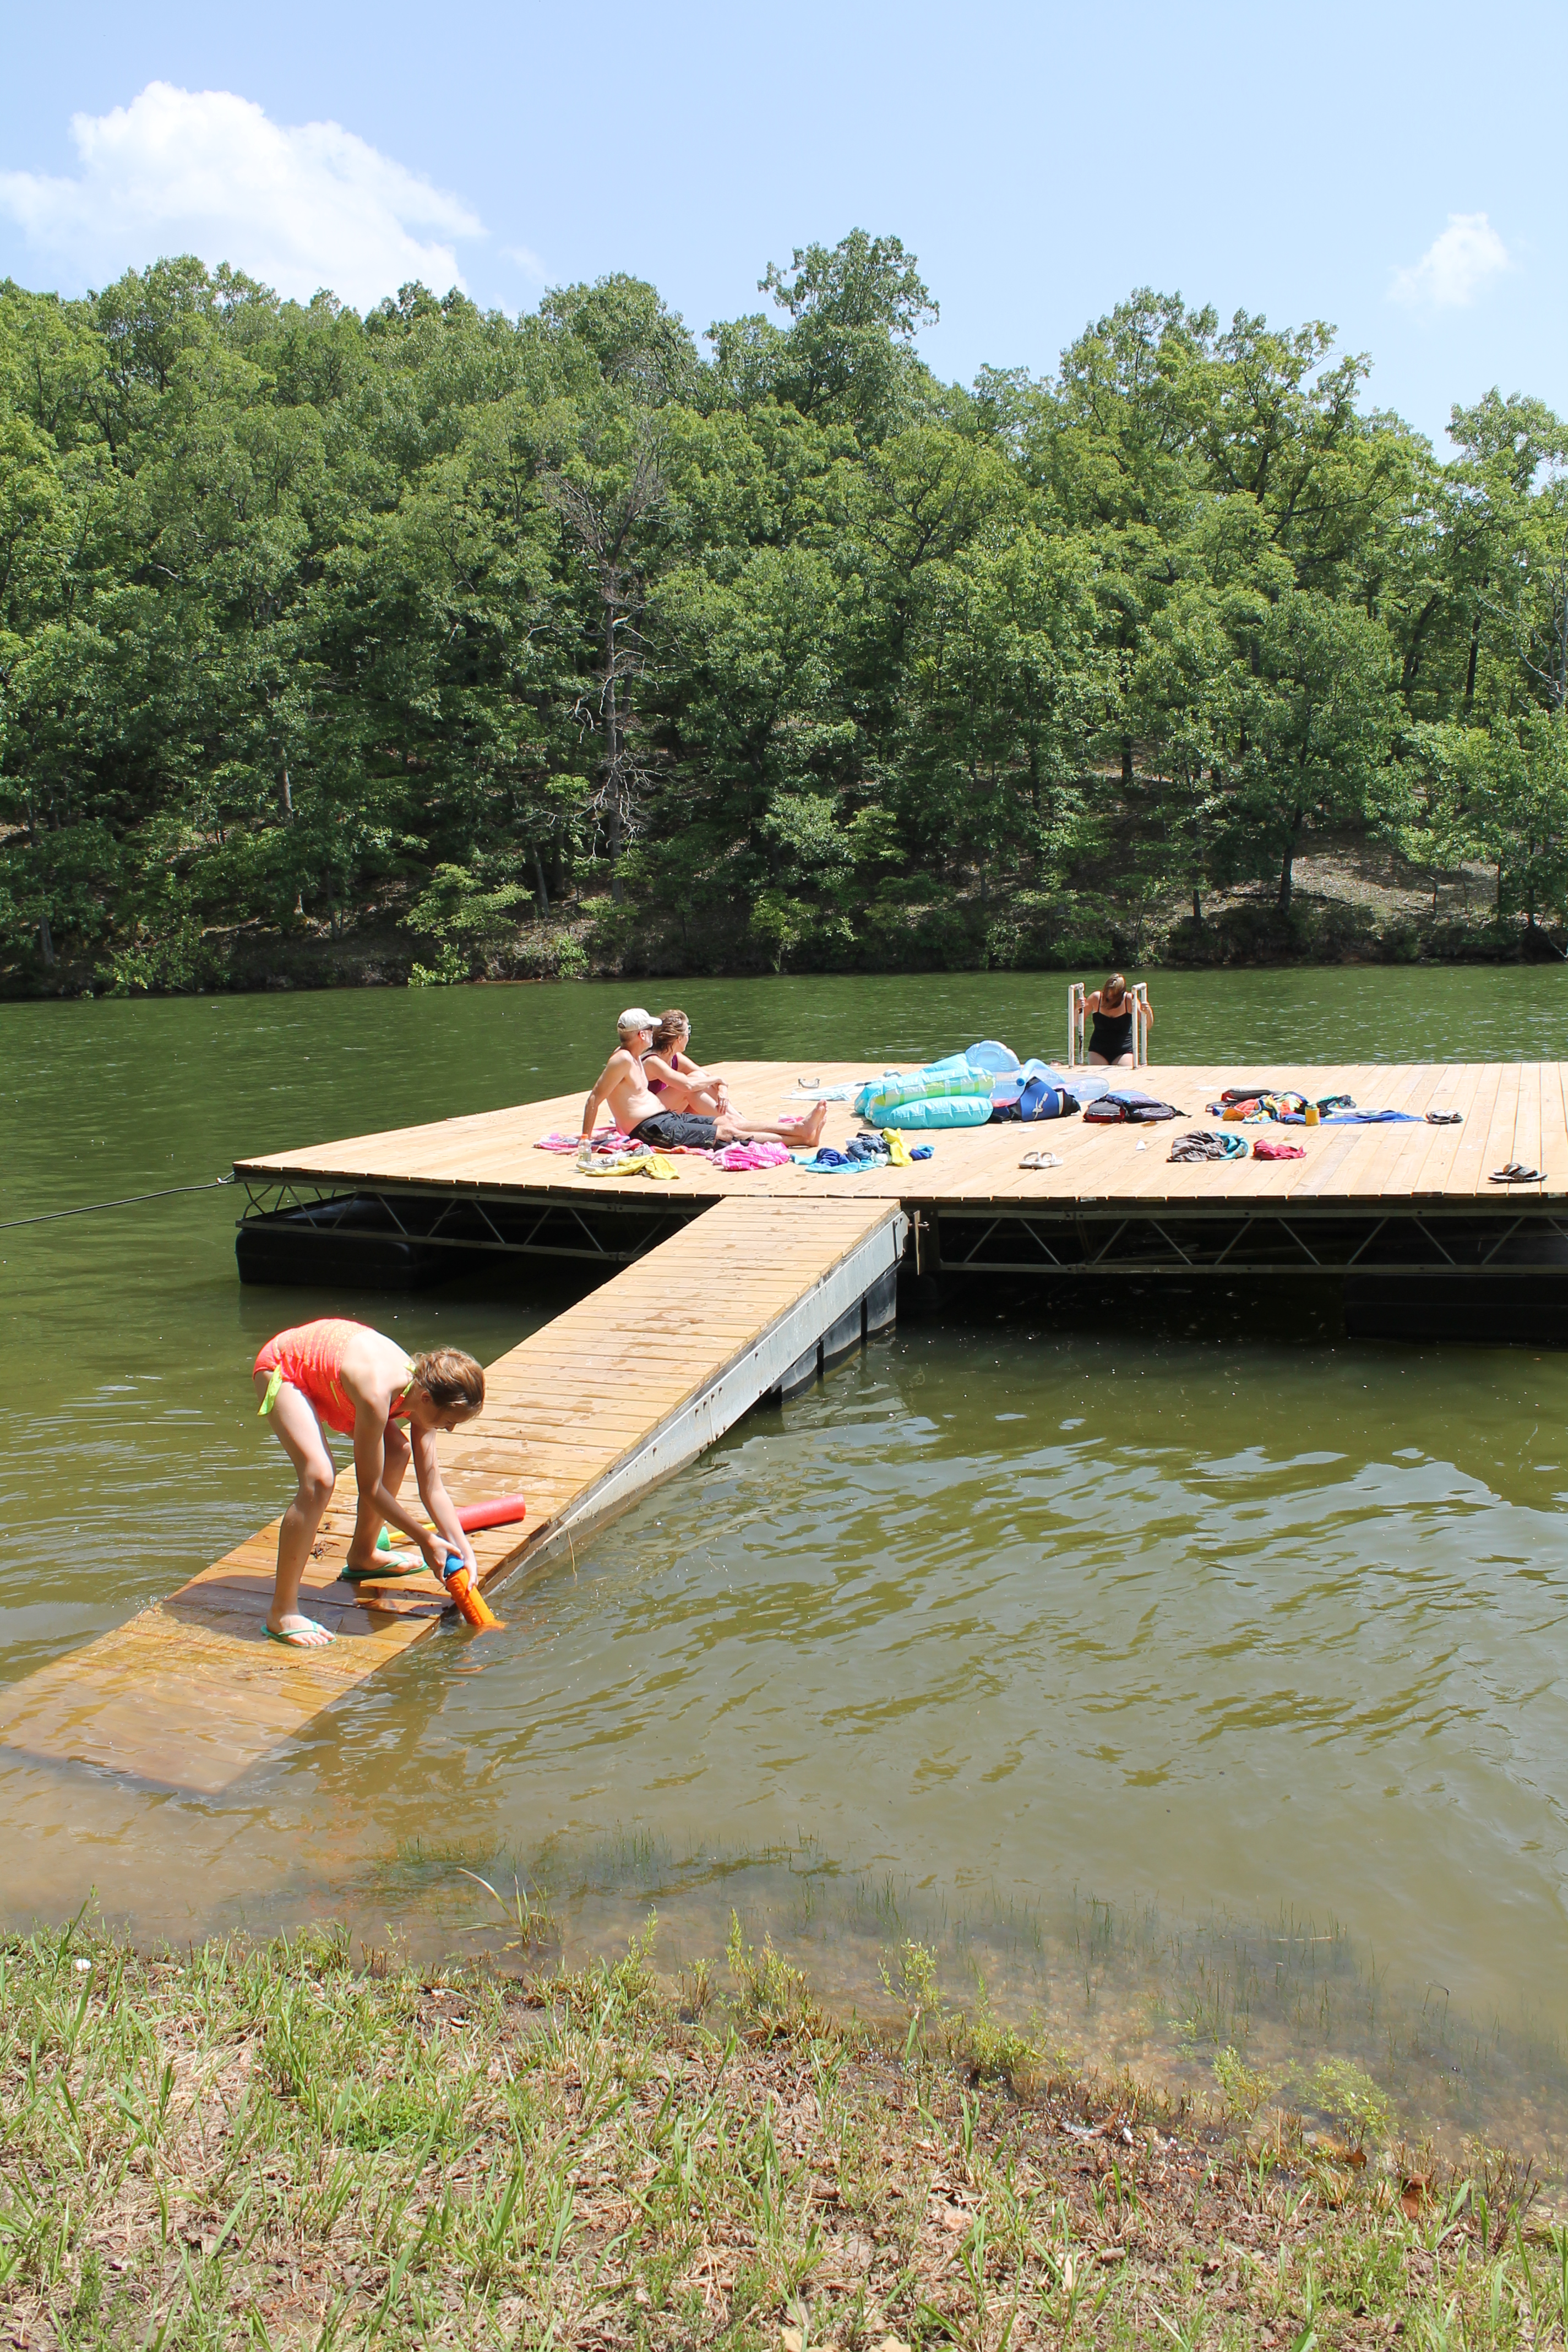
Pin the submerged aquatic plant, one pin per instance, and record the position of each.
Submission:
(532, 1919)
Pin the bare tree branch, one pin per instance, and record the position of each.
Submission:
(605, 522)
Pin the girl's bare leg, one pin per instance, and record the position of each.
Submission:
(369, 1522)
(298, 1433)
(708, 1102)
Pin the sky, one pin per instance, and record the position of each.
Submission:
(1388, 168)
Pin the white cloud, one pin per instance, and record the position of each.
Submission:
(203, 171)
(527, 260)
(1455, 265)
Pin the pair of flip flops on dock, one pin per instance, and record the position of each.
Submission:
(1516, 1174)
(1041, 1159)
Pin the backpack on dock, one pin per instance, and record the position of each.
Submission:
(1129, 1107)
(1036, 1100)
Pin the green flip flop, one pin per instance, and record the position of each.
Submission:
(291, 1641)
(379, 1574)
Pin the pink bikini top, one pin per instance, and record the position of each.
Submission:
(655, 1085)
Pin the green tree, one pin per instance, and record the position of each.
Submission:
(1318, 714)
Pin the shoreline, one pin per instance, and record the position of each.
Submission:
(305, 974)
(1351, 908)
(283, 2145)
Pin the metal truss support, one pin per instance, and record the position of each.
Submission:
(1077, 1241)
(522, 1225)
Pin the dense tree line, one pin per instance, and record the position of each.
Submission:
(782, 653)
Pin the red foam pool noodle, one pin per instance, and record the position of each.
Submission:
(503, 1512)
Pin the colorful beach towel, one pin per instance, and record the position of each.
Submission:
(736, 1156)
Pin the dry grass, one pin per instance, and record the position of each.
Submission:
(273, 2147)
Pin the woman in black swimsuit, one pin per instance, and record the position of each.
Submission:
(1114, 1009)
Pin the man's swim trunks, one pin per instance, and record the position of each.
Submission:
(670, 1130)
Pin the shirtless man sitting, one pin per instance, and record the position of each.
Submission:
(625, 1092)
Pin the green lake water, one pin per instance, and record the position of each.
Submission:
(1193, 1675)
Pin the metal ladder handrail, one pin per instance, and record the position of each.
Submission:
(1077, 1051)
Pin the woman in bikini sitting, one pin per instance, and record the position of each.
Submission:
(1113, 1009)
(680, 1083)
(335, 1374)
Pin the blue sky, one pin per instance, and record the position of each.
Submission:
(1389, 168)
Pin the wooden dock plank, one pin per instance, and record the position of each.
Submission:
(1470, 1160)
(1396, 1151)
(1344, 1169)
(1527, 1125)
(1553, 1131)
(1430, 1179)
(1497, 1148)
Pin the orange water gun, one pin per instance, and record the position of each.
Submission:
(466, 1599)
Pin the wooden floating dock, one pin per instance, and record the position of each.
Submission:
(738, 1285)
(1511, 1111)
(1377, 1197)
(624, 1389)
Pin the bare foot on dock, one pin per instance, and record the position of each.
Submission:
(298, 1632)
(806, 1130)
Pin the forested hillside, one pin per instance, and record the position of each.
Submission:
(530, 646)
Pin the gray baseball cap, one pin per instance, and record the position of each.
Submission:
(635, 1017)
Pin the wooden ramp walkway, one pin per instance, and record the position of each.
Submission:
(625, 1387)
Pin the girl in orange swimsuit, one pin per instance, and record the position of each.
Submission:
(335, 1374)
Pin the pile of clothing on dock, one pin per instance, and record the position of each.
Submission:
(1200, 1143)
(869, 1150)
(1257, 1102)
(1250, 1105)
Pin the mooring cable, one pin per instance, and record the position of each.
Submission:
(130, 1200)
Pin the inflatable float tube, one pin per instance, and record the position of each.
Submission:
(935, 1112)
(896, 1087)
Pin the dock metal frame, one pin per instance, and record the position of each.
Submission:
(1229, 1238)
(1081, 1238)
(612, 1232)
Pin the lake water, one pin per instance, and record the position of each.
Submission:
(1193, 1675)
